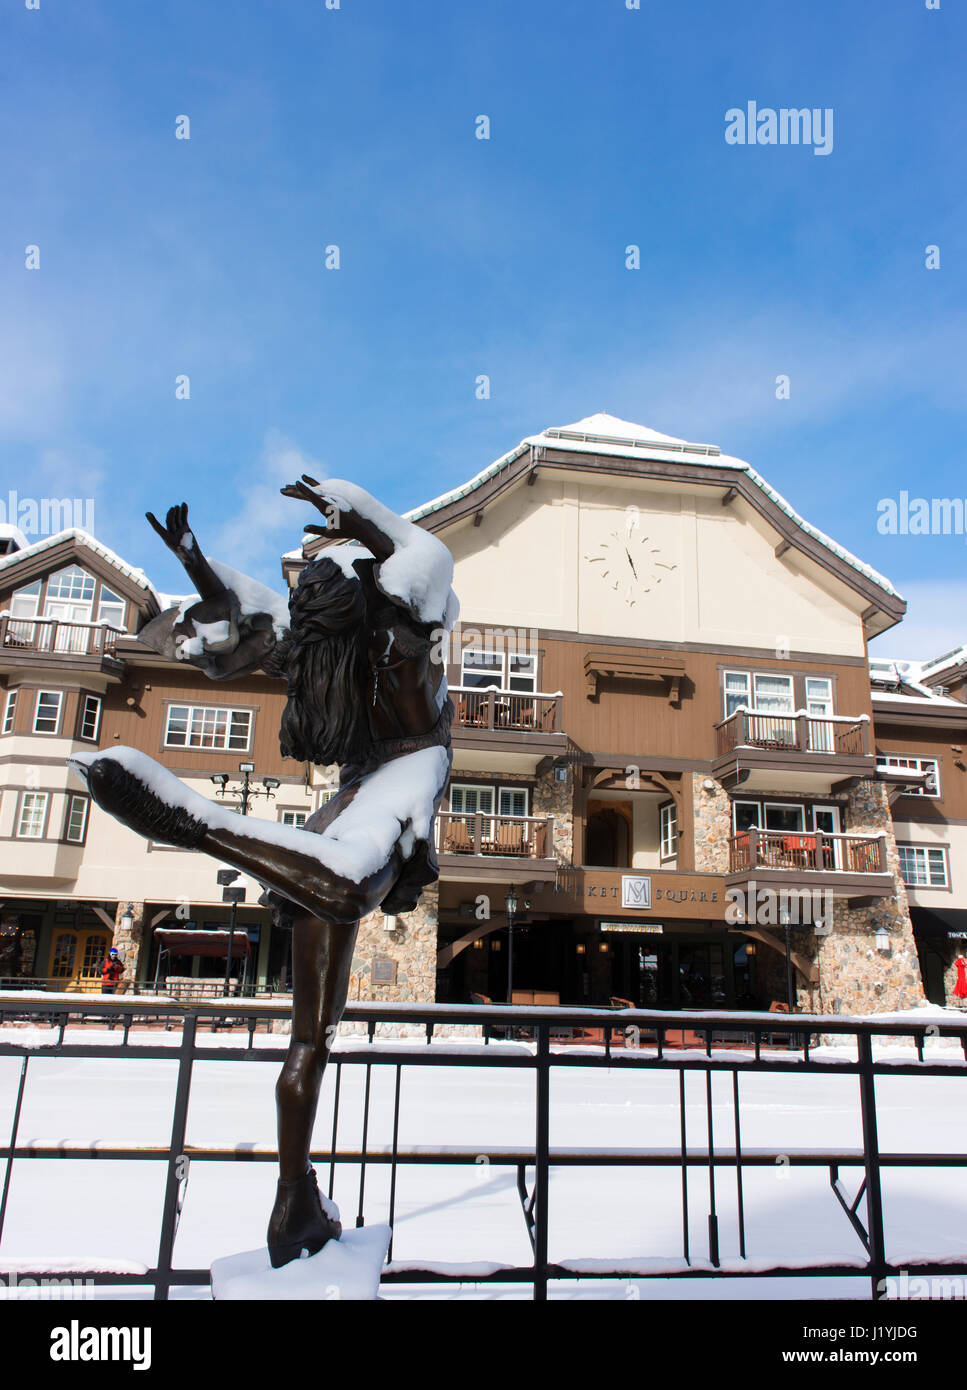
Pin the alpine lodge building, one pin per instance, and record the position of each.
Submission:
(678, 779)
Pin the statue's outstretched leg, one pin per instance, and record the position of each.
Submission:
(322, 955)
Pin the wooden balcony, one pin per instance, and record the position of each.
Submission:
(516, 722)
(848, 865)
(818, 749)
(51, 642)
(482, 846)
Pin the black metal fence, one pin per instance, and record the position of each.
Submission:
(733, 1045)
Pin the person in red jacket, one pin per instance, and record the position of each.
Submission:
(111, 971)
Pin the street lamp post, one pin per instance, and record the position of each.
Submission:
(510, 902)
(243, 792)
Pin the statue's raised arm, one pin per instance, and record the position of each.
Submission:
(231, 628)
(413, 568)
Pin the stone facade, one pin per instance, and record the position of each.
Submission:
(856, 977)
(411, 946)
(554, 798)
(712, 825)
(129, 941)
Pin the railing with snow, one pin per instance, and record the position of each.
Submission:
(540, 1042)
(55, 635)
(797, 732)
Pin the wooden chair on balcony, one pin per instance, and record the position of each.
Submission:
(470, 714)
(457, 838)
(510, 840)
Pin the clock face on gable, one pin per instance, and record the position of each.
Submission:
(630, 563)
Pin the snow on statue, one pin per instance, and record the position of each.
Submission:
(357, 647)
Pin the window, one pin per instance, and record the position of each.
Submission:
(111, 608)
(204, 726)
(294, 818)
(737, 691)
(75, 825)
(47, 713)
(90, 716)
(764, 691)
(772, 815)
(72, 585)
(33, 814)
(668, 819)
(512, 801)
(773, 694)
(9, 711)
(24, 602)
(470, 800)
(922, 867)
(499, 671)
(903, 763)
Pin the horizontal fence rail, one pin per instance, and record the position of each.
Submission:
(728, 1044)
(56, 635)
(515, 837)
(814, 851)
(793, 733)
(530, 712)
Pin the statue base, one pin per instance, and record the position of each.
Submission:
(347, 1268)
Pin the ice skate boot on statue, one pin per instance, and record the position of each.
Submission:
(126, 793)
(299, 1221)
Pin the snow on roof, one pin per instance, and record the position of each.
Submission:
(83, 538)
(9, 532)
(626, 440)
(957, 657)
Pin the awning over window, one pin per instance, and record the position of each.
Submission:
(946, 923)
(202, 943)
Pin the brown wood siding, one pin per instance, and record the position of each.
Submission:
(636, 716)
(952, 803)
(143, 726)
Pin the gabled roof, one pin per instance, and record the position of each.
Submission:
(75, 538)
(606, 434)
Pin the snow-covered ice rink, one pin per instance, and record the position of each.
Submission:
(103, 1212)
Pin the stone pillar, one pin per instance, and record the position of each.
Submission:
(856, 978)
(712, 825)
(129, 942)
(554, 798)
(411, 947)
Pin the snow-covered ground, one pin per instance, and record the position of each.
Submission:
(109, 1212)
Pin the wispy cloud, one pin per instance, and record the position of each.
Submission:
(264, 523)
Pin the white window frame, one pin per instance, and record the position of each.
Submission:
(496, 792)
(914, 763)
(785, 806)
(924, 853)
(751, 700)
(10, 710)
(505, 675)
(48, 733)
(37, 800)
(668, 830)
(202, 712)
(24, 595)
(291, 812)
(85, 703)
(76, 799)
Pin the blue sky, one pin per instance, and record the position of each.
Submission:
(461, 257)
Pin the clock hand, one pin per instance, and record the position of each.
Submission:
(631, 562)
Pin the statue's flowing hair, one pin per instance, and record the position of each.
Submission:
(324, 720)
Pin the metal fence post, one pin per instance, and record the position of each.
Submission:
(8, 1170)
(871, 1154)
(177, 1161)
(542, 1170)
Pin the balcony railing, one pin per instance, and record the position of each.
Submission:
(510, 837)
(523, 711)
(54, 635)
(813, 851)
(794, 733)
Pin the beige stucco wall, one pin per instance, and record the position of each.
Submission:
(711, 571)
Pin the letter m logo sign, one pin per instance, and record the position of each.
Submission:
(635, 891)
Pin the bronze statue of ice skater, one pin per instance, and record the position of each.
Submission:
(360, 651)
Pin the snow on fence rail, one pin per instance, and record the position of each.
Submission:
(538, 1041)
